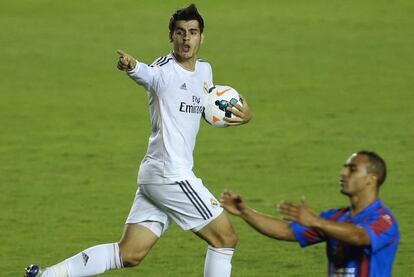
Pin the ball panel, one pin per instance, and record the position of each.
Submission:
(218, 100)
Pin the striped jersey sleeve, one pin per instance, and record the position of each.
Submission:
(382, 229)
(151, 77)
(308, 236)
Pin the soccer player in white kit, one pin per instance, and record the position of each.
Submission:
(168, 190)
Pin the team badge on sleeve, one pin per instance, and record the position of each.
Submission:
(214, 202)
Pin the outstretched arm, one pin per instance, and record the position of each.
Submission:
(125, 61)
(346, 232)
(144, 75)
(265, 224)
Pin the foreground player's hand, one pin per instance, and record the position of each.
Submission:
(242, 113)
(300, 213)
(232, 202)
(125, 61)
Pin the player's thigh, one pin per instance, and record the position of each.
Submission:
(219, 232)
(188, 203)
(135, 243)
(145, 210)
(144, 225)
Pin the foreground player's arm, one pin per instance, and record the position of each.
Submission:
(147, 76)
(125, 61)
(242, 113)
(267, 225)
(346, 232)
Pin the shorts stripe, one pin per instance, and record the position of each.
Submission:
(193, 200)
(195, 193)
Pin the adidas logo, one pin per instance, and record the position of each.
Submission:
(85, 258)
(183, 86)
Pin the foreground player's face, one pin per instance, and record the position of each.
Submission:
(354, 175)
(186, 39)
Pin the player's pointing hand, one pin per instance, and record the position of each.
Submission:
(125, 61)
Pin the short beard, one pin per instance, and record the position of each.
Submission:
(345, 193)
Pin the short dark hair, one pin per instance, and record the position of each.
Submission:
(187, 14)
(376, 165)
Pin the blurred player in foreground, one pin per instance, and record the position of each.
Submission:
(168, 190)
(362, 239)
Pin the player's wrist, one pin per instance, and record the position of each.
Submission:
(317, 222)
(132, 64)
(245, 212)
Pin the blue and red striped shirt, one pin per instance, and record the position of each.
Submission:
(347, 260)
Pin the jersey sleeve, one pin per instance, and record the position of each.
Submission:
(210, 79)
(382, 230)
(306, 235)
(150, 77)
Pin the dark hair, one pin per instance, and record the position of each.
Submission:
(376, 165)
(187, 14)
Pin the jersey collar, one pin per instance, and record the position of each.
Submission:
(377, 204)
(182, 68)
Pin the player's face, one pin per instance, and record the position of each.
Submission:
(186, 39)
(354, 176)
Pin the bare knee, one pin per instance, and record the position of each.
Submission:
(135, 244)
(225, 240)
(133, 249)
(219, 233)
(131, 257)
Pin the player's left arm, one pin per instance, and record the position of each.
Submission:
(346, 232)
(242, 114)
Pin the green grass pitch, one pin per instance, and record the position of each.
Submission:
(323, 79)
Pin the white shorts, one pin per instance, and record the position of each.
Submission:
(188, 203)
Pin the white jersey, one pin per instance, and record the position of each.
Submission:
(176, 99)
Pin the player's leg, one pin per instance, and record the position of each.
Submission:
(92, 261)
(219, 232)
(144, 226)
(138, 238)
(192, 206)
(137, 241)
(221, 240)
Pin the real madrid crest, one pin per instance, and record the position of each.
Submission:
(214, 202)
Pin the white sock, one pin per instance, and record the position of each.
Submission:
(218, 262)
(92, 261)
(59, 270)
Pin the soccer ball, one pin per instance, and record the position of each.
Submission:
(218, 99)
